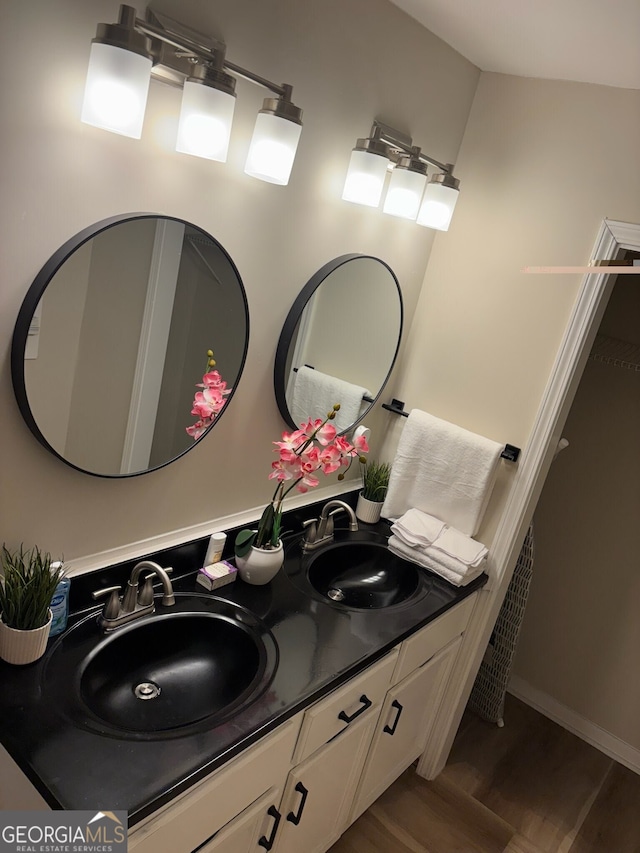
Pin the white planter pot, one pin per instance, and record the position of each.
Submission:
(20, 647)
(368, 511)
(260, 565)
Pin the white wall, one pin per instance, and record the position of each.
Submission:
(348, 63)
(542, 164)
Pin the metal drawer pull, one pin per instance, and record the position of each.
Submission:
(366, 703)
(296, 818)
(391, 730)
(265, 842)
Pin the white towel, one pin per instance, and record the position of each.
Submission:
(315, 394)
(448, 568)
(416, 528)
(443, 470)
(460, 547)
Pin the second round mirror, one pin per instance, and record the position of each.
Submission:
(339, 341)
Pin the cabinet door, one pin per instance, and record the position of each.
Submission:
(252, 831)
(318, 794)
(402, 728)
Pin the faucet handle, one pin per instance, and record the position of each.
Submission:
(310, 533)
(112, 607)
(145, 595)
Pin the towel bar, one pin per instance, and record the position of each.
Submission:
(510, 452)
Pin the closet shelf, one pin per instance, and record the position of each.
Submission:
(615, 352)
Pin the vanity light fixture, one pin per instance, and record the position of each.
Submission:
(120, 62)
(387, 149)
(275, 139)
(367, 171)
(439, 201)
(124, 57)
(408, 180)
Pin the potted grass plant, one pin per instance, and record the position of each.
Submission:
(375, 482)
(27, 586)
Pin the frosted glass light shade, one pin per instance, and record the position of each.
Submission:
(273, 148)
(404, 193)
(115, 94)
(365, 178)
(206, 115)
(438, 206)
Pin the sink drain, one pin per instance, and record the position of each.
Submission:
(335, 594)
(146, 690)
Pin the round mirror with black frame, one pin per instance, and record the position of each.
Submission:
(339, 342)
(112, 341)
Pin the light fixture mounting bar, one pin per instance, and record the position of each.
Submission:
(199, 47)
(403, 142)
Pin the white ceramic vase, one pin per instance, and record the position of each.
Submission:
(260, 565)
(21, 647)
(368, 511)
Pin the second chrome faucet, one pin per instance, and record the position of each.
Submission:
(319, 531)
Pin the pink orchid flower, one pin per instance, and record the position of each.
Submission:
(213, 380)
(208, 403)
(197, 429)
(306, 483)
(330, 459)
(346, 450)
(292, 441)
(361, 444)
(302, 454)
(325, 431)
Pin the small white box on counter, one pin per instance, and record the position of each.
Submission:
(216, 575)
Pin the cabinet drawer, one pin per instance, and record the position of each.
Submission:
(433, 637)
(254, 829)
(201, 811)
(333, 714)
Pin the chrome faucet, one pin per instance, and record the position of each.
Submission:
(136, 601)
(319, 531)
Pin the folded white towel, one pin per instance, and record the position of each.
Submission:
(315, 393)
(448, 568)
(417, 528)
(443, 470)
(458, 546)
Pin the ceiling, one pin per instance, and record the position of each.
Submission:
(590, 41)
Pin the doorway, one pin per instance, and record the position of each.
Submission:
(577, 654)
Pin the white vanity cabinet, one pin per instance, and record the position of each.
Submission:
(298, 789)
(334, 739)
(420, 675)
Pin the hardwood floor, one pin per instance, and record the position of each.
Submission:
(530, 787)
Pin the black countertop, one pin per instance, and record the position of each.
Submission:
(319, 647)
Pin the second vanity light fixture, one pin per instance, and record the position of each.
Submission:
(408, 195)
(125, 55)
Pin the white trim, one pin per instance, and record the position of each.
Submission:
(133, 550)
(529, 479)
(627, 234)
(613, 746)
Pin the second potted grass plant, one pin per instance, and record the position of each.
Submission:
(375, 482)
